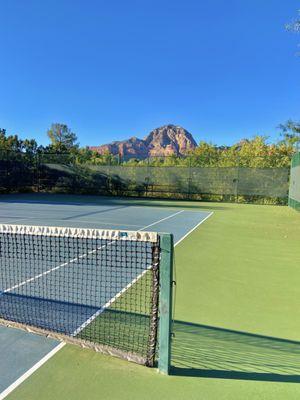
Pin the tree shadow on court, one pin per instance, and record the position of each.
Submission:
(210, 352)
(86, 200)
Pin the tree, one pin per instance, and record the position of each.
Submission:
(10, 143)
(205, 155)
(30, 146)
(291, 133)
(2, 137)
(62, 138)
(294, 26)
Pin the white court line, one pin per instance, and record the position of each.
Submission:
(26, 375)
(59, 219)
(52, 269)
(161, 220)
(111, 223)
(113, 299)
(195, 227)
(90, 204)
(20, 380)
(42, 274)
(109, 303)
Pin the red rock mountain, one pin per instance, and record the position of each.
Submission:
(163, 141)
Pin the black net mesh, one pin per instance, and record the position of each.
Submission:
(92, 285)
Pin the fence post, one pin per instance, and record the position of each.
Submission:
(148, 185)
(37, 168)
(165, 303)
(237, 184)
(190, 177)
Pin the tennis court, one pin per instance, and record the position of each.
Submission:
(104, 214)
(49, 276)
(237, 300)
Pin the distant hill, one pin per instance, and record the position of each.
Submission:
(164, 141)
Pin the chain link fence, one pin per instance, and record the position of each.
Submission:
(61, 173)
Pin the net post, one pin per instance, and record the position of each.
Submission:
(165, 306)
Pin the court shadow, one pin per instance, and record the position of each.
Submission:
(85, 200)
(196, 205)
(210, 352)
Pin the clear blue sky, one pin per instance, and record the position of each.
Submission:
(224, 70)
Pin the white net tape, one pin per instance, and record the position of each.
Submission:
(83, 233)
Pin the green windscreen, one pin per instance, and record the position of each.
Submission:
(294, 193)
(238, 181)
(63, 173)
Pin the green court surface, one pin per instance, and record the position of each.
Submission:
(237, 323)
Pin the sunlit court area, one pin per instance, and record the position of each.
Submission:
(173, 294)
(149, 200)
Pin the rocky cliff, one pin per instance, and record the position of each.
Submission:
(164, 141)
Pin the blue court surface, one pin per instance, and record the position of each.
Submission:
(101, 216)
(21, 350)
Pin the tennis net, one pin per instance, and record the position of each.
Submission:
(95, 287)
